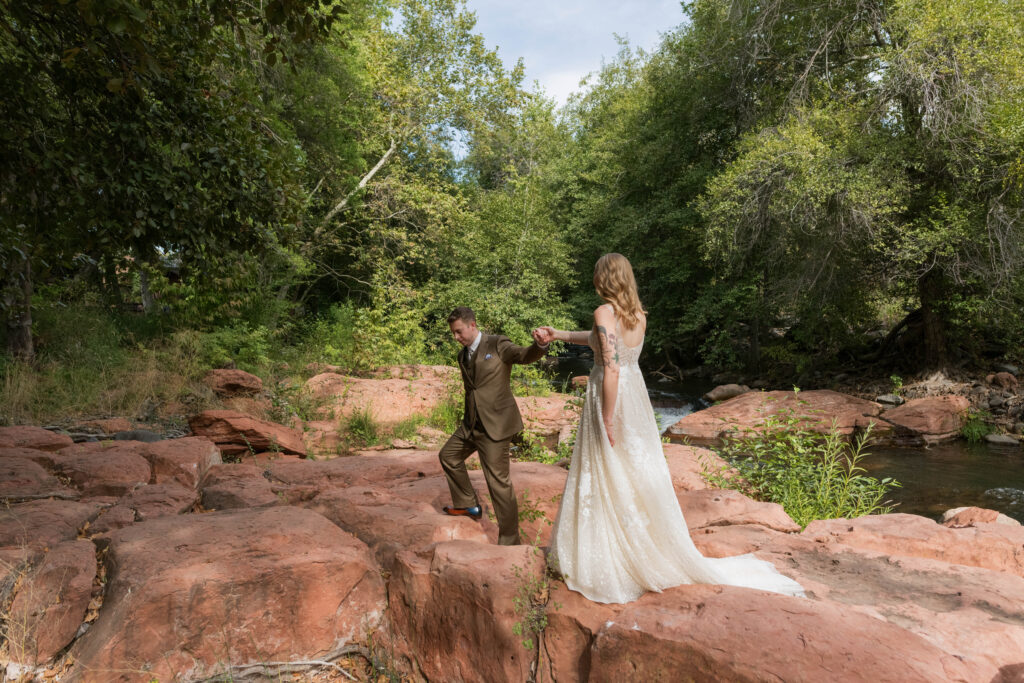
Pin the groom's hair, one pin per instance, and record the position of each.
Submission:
(463, 313)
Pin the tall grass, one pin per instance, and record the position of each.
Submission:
(813, 476)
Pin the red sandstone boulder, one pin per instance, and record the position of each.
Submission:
(719, 507)
(734, 539)
(573, 625)
(187, 596)
(236, 433)
(184, 461)
(44, 523)
(931, 419)
(369, 469)
(992, 546)
(226, 383)
(51, 603)
(580, 381)
(106, 469)
(389, 401)
(159, 500)
(974, 516)
(46, 459)
(22, 479)
(110, 519)
(324, 438)
(548, 416)
(231, 486)
(713, 633)
(389, 521)
(33, 437)
(820, 410)
(974, 614)
(453, 613)
(686, 463)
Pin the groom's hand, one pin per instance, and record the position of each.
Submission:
(541, 336)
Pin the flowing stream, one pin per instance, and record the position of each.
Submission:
(934, 479)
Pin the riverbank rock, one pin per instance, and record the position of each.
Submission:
(997, 547)
(33, 437)
(184, 460)
(237, 485)
(50, 603)
(929, 420)
(235, 433)
(686, 465)
(226, 383)
(1002, 440)
(818, 411)
(973, 516)
(189, 597)
(724, 392)
(550, 417)
(725, 507)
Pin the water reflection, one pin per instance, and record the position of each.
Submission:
(953, 475)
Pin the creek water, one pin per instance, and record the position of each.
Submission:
(933, 479)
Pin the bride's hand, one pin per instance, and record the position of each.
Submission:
(608, 429)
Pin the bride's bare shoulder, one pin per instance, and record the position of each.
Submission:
(604, 315)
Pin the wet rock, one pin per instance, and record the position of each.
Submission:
(143, 435)
(235, 432)
(1002, 440)
(51, 603)
(33, 437)
(188, 595)
(890, 400)
(227, 383)
(933, 418)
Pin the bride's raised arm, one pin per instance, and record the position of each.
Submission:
(581, 337)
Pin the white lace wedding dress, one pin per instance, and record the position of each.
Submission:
(620, 531)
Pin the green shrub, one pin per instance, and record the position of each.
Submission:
(362, 428)
(976, 427)
(447, 414)
(813, 476)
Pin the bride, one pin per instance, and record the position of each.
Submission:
(620, 531)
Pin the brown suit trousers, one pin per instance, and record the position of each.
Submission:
(490, 420)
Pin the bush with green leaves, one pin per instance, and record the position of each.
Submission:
(812, 475)
(976, 427)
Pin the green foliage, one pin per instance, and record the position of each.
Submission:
(813, 476)
(532, 449)
(977, 426)
(447, 414)
(362, 428)
(240, 344)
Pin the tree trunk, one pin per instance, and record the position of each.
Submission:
(18, 303)
(145, 293)
(930, 290)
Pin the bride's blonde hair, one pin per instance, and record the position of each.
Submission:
(615, 283)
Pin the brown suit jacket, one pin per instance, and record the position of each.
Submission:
(488, 389)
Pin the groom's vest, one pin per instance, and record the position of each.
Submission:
(486, 378)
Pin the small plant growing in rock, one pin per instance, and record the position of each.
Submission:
(812, 475)
(362, 428)
(976, 427)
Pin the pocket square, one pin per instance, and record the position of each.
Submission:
(487, 357)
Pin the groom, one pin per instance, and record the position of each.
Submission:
(490, 420)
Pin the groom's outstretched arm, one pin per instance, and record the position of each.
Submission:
(511, 353)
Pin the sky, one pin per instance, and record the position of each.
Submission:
(561, 41)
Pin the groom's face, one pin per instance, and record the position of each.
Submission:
(463, 331)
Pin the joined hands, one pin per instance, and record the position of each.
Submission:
(543, 335)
